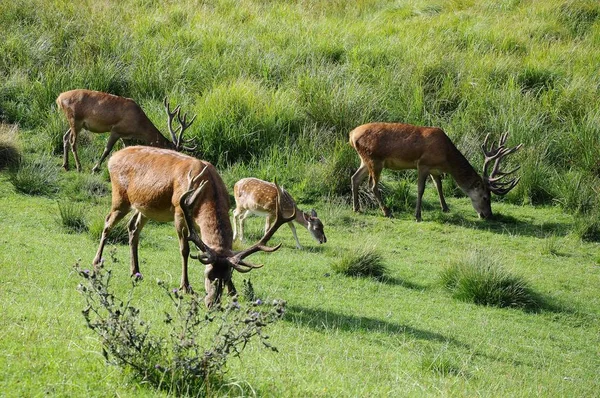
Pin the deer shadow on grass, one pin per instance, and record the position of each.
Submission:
(320, 320)
(503, 224)
(393, 281)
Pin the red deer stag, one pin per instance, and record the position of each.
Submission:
(254, 196)
(399, 146)
(165, 185)
(100, 112)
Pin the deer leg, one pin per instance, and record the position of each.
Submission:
(437, 180)
(134, 227)
(73, 143)
(293, 228)
(268, 223)
(113, 218)
(66, 144)
(421, 179)
(236, 214)
(184, 248)
(209, 287)
(241, 219)
(375, 175)
(355, 181)
(112, 139)
(231, 288)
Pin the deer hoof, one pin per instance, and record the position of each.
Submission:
(186, 289)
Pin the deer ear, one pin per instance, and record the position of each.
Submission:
(313, 213)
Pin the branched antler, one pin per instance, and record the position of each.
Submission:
(186, 202)
(496, 154)
(177, 134)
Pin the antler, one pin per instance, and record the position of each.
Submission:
(186, 202)
(238, 262)
(177, 134)
(496, 154)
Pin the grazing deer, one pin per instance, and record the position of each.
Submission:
(254, 196)
(100, 112)
(399, 146)
(165, 185)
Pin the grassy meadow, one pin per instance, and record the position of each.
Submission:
(277, 86)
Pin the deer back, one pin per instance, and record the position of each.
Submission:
(100, 112)
(403, 146)
(152, 181)
(260, 196)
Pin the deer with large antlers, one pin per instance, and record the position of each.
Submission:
(399, 146)
(254, 196)
(100, 112)
(165, 185)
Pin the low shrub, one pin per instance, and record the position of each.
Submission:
(480, 279)
(361, 262)
(191, 358)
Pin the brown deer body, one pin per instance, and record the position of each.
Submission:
(400, 146)
(100, 112)
(165, 185)
(258, 197)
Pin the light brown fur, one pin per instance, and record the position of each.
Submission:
(153, 182)
(400, 146)
(100, 112)
(254, 196)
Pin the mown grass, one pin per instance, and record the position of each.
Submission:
(277, 86)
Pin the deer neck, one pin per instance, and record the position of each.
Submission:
(301, 218)
(463, 172)
(213, 218)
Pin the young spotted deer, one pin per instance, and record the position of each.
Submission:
(399, 146)
(165, 185)
(100, 112)
(254, 196)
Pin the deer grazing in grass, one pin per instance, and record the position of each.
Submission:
(165, 185)
(399, 146)
(254, 196)
(100, 112)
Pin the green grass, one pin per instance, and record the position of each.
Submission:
(405, 333)
(277, 86)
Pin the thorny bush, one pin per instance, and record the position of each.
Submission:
(192, 359)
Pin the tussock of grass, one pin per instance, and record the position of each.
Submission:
(481, 279)
(587, 227)
(10, 155)
(72, 216)
(362, 262)
(36, 176)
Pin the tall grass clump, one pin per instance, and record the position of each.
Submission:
(481, 279)
(587, 227)
(240, 120)
(36, 176)
(579, 15)
(10, 154)
(72, 216)
(576, 192)
(189, 357)
(362, 262)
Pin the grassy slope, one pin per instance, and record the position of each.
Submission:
(313, 70)
(342, 336)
